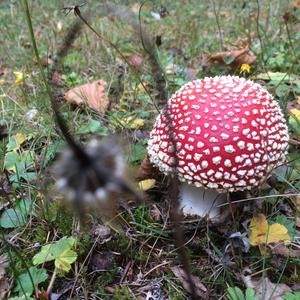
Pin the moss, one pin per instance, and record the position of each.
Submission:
(173, 294)
(105, 278)
(83, 245)
(18, 262)
(122, 243)
(122, 293)
(63, 222)
(141, 257)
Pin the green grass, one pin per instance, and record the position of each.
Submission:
(189, 34)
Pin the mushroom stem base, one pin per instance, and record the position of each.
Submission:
(199, 201)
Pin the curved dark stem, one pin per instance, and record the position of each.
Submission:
(179, 235)
(103, 175)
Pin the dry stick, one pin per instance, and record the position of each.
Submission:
(103, 175)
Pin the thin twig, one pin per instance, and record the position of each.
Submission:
(218, 24)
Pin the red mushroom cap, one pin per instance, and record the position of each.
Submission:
(229, 134)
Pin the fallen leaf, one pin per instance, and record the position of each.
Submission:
(92, 94)
(200, 289)
(265, 289)
(295, 113)
(233, 58)
(102, 233)
(263, 233)
(132, 122)
(147, 184)
(283, 250)
(298, 100)
(296, 4)
(16, 141)
(155, 213)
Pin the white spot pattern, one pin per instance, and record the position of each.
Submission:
(227, 126)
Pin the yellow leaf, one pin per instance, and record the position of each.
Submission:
(20, 76)
(263, 233)
(298, 99)
(132, 123)
(20, 138)
(295, 113)
(146, 184)
(137, 123)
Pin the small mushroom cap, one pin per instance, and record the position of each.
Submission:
(227, 133)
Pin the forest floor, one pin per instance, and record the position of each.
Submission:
(127, 249)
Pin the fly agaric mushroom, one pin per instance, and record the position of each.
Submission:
(218, 135)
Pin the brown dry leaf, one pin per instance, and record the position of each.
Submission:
(235, 57)
(147, 170)
(102, 233)
(92, 94)
(4, 284)
(155, 213)
(267, 290)
(200, 289)
(283, 250)
(296, 4)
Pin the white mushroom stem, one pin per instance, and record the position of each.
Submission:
(199, 201)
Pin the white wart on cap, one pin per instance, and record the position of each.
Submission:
(229, 134)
